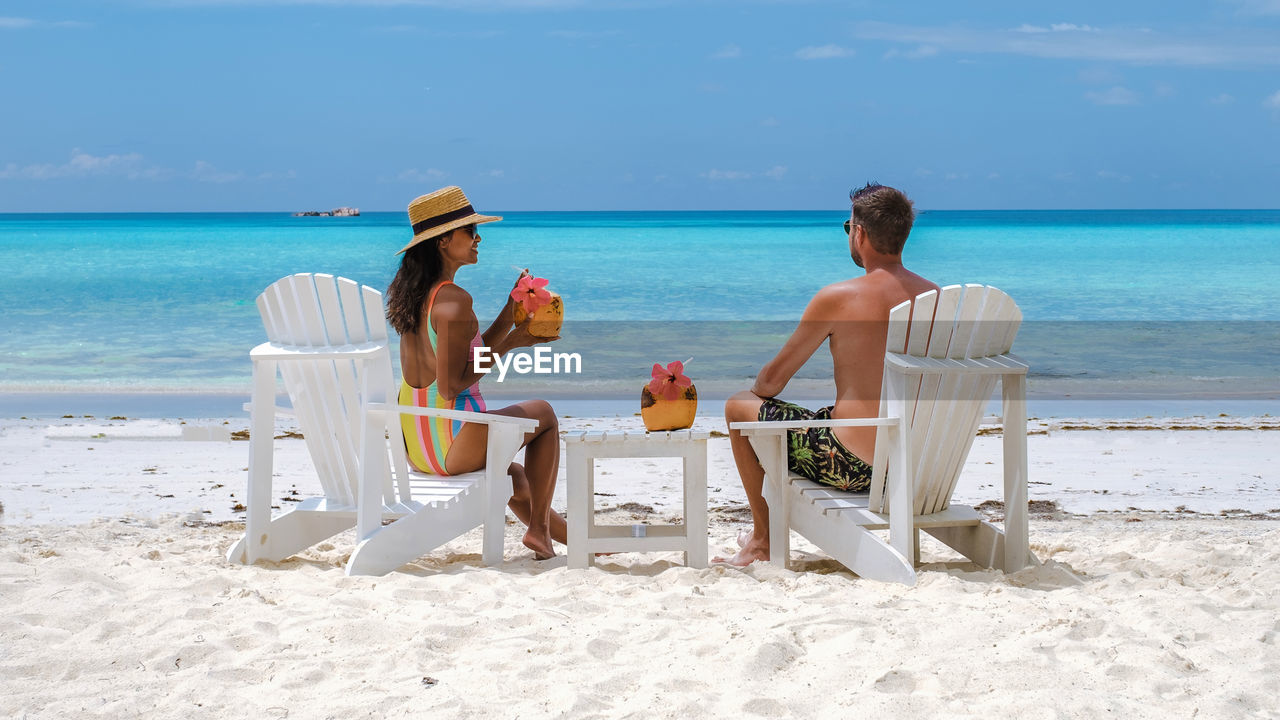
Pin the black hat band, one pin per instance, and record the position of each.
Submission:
(442, 219)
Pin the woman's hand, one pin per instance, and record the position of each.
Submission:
(511, 301)
(521, 337)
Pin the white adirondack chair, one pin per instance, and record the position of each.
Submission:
(328, 338)
(943, 359)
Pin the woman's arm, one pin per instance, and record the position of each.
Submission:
(502, 324)
(456, 325)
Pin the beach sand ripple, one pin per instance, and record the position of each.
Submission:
(1154, 619)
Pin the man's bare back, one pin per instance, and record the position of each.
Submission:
(853, 316)
(859, 315)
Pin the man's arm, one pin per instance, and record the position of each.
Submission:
(815, 326)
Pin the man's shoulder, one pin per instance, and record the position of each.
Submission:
(843, 289)
(844, 299)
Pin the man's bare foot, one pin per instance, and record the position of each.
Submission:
(752, 551)
(540, 544)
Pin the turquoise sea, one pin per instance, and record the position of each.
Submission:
(1138, 311)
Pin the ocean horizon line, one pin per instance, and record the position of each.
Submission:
(20, 213)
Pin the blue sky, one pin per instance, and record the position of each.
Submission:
(206, 105)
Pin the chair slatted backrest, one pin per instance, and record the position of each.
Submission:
(321, 311)
(960, 323)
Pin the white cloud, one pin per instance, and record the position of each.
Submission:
(1273, 101)
(1223, 99)
(777, 172)
(83, 164)
(481, 5)
(582, 34)
(205, 172)
(1114, 96)
(496, 173)
(823, 52)
(421, 176)
(770, 121)
(1056, 27)
(1258, 7)
(1085, 42)
(1111, 175)
(728, 52)
(918, 53)
(17, 23)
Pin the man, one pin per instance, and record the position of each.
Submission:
(854, 316)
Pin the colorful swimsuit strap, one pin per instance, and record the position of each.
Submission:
(428, 439)
(431, 332)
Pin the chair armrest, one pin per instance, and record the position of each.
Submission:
(277, 351)
(1007, 364)
(777, 427)
(526, 424)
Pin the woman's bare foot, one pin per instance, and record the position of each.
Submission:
(540, 544)
(752, 550)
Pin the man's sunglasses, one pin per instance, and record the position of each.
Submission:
(846, 227)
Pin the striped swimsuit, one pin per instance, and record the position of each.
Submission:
(427, 439)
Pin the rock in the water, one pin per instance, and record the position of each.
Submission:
(336, 212)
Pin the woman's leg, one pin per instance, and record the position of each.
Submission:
(520, 504)
(542, 462)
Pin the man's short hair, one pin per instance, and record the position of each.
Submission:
(886, 214)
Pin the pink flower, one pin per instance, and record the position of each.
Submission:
(668, 383)
(531, 292)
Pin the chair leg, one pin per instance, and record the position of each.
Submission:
(504, 442)
(858, 549)
(289, 533)
(982, 544)
(578, 466)
(772, 452)
(1017, 550)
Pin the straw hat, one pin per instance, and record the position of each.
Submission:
(442, 211)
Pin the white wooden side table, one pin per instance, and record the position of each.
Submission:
(586, 538)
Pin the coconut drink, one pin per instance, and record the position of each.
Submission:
(534, 300)
(669, 401)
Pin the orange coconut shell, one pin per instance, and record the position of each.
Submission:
(662, 414)
(546, 319)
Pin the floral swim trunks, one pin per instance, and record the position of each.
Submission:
(816, 453)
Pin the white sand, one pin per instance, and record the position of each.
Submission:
(136, 613)
(74, 470)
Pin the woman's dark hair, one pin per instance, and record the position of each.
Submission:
(407, 293)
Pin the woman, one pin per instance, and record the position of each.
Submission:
(437, 331)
